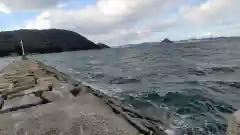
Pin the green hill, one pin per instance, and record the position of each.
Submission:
(44, 41)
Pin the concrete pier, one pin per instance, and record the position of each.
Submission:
(36, 99)
(234, 124)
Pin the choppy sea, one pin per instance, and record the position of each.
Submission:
(197, 83)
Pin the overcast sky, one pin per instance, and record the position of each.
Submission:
(118, 22)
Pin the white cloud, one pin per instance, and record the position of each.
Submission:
(117, 22)
(107, 20)
(4, 9)
(217, 17)
(40, 22)
(27, 5)
(216, 11)
(61, 5)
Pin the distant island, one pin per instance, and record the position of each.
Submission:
(166, 40)
(44, 41)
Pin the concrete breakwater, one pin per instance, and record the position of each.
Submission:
(234, 124)
(38, 99)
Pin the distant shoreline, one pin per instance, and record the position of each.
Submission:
(214, 39)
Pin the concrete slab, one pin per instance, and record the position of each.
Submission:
(81, 116)
(20, 101)
(51, 96)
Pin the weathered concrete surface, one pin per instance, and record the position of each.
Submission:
(51, 96)
(26, 85)
(19, 101)
(81, 116)
(234, 124)
(37, 99)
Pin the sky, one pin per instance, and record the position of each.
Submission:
(120, 22)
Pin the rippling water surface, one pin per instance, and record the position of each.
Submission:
(199, 83)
